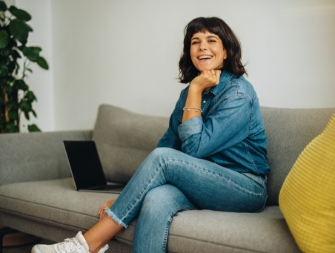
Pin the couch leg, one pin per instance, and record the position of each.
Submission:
(3, 232)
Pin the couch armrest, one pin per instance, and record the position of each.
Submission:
(36, 156)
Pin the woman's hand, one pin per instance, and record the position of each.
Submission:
(107, 204)
(206, 80)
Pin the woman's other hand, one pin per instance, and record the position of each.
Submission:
(107, 204)
(206, 80)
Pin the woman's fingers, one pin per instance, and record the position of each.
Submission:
(206, 80)
(107, 204)
(218, 73)
(212, 76)
(101, 211)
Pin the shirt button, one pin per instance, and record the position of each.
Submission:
(204, 101)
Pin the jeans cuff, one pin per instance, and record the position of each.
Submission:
(113, 217)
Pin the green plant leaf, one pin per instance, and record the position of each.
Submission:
(33, 128)
(2, 123)
(34, 113)
(20, 30)
(12, 105)
(4, 38)
(26, 114)
(3, 6)
(16, 54)
(10, 90)
(13, 115)
(4, 60)
(26, 107)
(11, 67)
(20, 14)
(30, 96)
(21, 85)
(5, 52)
(12, 42)
(3, 83)
(32, 53)
(21, 48)
(3, 70)
(42, 63)
(11, 127)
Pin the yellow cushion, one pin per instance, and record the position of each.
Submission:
(307, 197)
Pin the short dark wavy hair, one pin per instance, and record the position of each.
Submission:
(233, 64)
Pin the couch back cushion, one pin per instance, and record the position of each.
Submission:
(124, 139)
(288, 132)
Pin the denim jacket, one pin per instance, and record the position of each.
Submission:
(230, 131)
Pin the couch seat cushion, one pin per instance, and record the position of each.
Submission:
(53, 202)
(191, 231)
(211, 231)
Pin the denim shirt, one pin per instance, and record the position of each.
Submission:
(230, 131)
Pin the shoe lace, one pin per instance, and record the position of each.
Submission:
(69, 245)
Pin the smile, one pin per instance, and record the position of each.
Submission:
(203, 57)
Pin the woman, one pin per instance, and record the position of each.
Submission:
(213, 155)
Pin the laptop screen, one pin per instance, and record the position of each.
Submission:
(85, 164)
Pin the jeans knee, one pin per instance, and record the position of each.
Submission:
(166, 152)
(155, 200)
(165, 199)
(160, 152)
(161, 155)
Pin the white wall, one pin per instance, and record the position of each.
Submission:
(126, 53)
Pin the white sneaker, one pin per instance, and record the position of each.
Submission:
(76, 244)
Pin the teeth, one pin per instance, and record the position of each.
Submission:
(205, 57)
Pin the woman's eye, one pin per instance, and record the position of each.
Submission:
(212, 40)
(194, 42)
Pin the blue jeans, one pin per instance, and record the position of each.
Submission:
(169, 181)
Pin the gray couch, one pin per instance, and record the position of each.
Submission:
(37, 194)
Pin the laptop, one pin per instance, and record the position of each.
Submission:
(86, 168)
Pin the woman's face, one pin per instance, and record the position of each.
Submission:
(207, 51)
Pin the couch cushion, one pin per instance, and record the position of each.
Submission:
(53, 202)
(191, 231)
(288, 132)
(211, 231)
(36, 156)
(124, 139)
(307, 196)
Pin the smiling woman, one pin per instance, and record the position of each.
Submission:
(209, 37)
(207, 51)
(209, 47)
(212, 156)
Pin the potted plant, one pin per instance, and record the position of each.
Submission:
(16, 98)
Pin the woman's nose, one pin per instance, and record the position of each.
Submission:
(203, 46)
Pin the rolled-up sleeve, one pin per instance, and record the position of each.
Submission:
(190, 127)
(219, 130)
